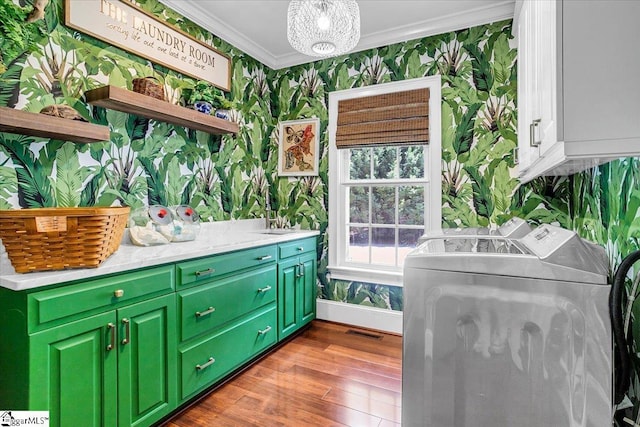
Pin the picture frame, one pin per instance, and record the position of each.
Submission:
(299, 147)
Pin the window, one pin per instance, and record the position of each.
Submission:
(383, 197)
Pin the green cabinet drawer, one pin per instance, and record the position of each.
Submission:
(206, 307)
(202, 270)
(297, 247)
(62, 304)
(209, 360)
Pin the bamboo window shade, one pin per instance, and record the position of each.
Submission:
(393, 118)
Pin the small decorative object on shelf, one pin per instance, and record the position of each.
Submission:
(62, 111)
(201, 94)
(149, 86)
(222, 114)
(203, 106)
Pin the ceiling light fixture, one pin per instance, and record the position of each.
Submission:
(323, 27)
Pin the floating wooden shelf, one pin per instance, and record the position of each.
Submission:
(42, 125)
(124, 100)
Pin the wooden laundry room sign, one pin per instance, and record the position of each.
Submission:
(125, 25)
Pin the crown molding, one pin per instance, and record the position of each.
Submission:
(470, 18)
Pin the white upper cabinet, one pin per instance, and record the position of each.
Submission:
(578, 84)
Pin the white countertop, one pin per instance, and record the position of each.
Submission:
(214, 238)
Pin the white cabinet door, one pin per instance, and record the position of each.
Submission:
(601, 84)
(545, 112)
(537, 107)
(526, 86)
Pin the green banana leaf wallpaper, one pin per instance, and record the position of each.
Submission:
(150, 162)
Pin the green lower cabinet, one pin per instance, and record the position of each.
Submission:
(127, 349)
(296, 293)
(116, 368)
(147, 369)
(308, 284)
(208, 360)
(73, 375)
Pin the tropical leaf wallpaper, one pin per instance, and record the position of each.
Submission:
(148, 162)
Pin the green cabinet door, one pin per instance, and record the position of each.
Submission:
(288, 294)
(147, 354)
(307, 298)
(72, 371)
(296, 293)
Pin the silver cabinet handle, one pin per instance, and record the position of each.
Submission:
(118, 293)
(300, 248)
(127, 337)
(204, 313)
(532, 133)
(264, 331)
(300, 270)
(206, 272)
(264, 257)
(208, 363)
(265, 289)
(112, 331)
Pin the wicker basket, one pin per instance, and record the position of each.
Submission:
(60, 238)
(149, 86)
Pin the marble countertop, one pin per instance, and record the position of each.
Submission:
(214, 238)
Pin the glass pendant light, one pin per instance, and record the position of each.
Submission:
(323, 27)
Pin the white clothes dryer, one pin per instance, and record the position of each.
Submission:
(501, 333)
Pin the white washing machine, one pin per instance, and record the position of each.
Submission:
(504, 333)
(514, 228)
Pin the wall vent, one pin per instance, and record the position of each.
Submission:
(371, 335)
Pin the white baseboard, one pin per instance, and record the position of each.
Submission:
(360, 315)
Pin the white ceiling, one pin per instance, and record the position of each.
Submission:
(259, 28)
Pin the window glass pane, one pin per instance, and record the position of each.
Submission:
(384, 162)
(383, 246)
(359, 204)
(407, 240)
(360, 163)
(411, 205)
(412, 162)
(374, 212)
(383, 205)
(358, 248)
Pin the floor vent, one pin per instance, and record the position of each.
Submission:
(371, 335)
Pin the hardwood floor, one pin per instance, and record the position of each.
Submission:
(330, 375)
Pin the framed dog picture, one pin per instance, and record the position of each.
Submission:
(298, 152)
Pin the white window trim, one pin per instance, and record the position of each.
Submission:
(433, 215)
